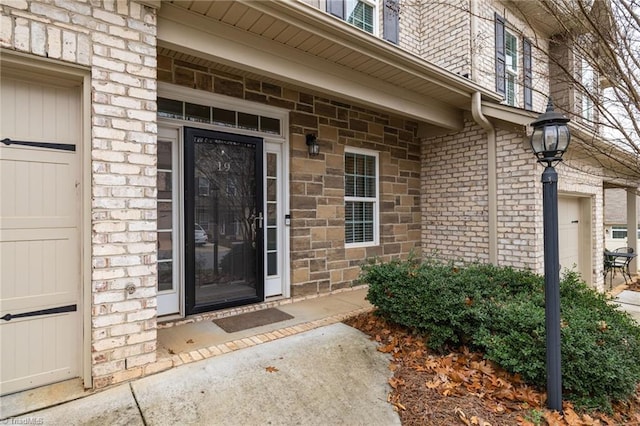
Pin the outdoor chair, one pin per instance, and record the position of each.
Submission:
(608, 267)
(621, 263)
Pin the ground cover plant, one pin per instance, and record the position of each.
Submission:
(499, 312)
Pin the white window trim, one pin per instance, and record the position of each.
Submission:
(588, 84)
(511, 74)
(376, 202)
(376, 17)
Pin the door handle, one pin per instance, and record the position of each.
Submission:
(258, 219)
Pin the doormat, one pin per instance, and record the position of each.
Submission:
(251, 320)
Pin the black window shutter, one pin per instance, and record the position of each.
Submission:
(500, 55)
(336, 8)
(390, 20)
(527, 66)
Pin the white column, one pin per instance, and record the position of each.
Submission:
(632, 226)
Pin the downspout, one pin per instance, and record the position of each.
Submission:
(492, 186)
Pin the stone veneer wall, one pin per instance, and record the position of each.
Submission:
(320, 262)
(116, 42)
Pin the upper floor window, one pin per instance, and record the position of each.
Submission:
(360, 14)
(511, 63)
(588, 87)
(361, 197)
(508, 77)
(364, 15)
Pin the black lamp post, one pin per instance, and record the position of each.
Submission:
(549, 141)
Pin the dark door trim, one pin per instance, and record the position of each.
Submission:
(190, 191)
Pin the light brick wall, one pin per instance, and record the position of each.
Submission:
(116, 42)
(519, 203)
(446, 34)
(454, 195)
(455, 199)
(319, 260)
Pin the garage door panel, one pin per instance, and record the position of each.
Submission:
(36, 183)
(25, 115)
(47, 353)
(45, 267)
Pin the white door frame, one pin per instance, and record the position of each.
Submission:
(273, 143)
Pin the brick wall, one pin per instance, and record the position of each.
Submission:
(319, 260)
(454, 195)
(519, 199)
(116, 42)
(446, 35)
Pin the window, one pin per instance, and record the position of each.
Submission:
(361, 197)
(618, 232)
(170, 108)
(588, 85)
(360, 14)
(364, 15)
(511, 67)
(507, 73)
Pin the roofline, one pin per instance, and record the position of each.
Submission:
(293, 12)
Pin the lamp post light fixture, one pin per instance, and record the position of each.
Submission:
(312, 144)
(549, 142)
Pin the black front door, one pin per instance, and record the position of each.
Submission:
(223, 220)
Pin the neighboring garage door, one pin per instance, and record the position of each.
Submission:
(41, 323)
(573, 234)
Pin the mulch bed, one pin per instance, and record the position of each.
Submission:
(461, 388)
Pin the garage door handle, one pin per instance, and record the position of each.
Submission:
(49, 145)
(574, 221)
(58, 310)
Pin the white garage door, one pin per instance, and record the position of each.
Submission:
(569, 232)
(40, 321)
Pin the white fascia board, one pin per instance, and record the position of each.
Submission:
(188, 32)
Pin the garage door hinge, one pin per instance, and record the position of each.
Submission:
(58, 310)
(48, 145)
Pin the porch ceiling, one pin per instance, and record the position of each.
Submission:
(299, 45)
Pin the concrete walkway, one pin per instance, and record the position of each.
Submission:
(331, 375)
(629, 301)
(309, 370)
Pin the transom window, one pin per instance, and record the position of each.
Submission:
(171, 108)
(361, 197)
(511, 64)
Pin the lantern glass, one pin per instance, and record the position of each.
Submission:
(563, 138)
(536, 141)
(314, 149)
(550, 137)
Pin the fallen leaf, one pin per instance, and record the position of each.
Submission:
(271, 369)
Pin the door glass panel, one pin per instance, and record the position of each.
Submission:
(225, 209)
(272, 209)
(165, 216)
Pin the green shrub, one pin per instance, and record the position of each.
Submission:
(500, 311)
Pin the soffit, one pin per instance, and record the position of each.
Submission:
(307, 35)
